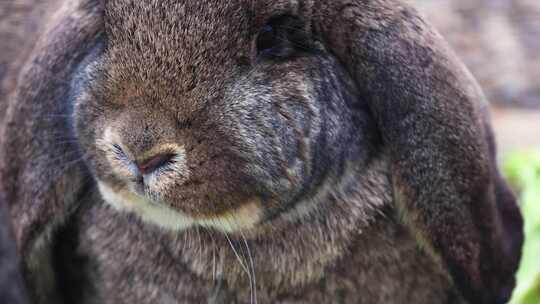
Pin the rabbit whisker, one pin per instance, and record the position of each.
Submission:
(70, 164)
(65, 142)
(65, 157)
(244, 265)
(254, 300)
(241, 262)
(216, 281)
(209, 231)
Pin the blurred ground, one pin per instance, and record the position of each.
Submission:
(516, 129)
(499, 40)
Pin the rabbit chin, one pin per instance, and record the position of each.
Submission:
(243, 218)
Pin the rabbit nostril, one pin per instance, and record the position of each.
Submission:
(149, 165)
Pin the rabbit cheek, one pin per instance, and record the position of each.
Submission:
(290, 122)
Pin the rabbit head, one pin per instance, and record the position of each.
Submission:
(213, 128)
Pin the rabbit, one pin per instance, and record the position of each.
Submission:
(254, 152)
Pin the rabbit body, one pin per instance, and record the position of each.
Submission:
(381, 264)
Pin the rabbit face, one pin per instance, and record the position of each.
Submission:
(224, 126)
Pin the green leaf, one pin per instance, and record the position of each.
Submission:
(523, 172)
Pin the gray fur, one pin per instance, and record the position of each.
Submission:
(12, 289)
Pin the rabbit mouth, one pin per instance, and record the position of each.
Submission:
(245, 217)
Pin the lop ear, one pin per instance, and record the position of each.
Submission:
(41, 173)
(12, 289)
(430, 113)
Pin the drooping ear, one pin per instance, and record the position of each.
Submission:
(430, 113)
(12, 289)
(41, 173)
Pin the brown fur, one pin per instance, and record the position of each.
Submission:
(377, 108)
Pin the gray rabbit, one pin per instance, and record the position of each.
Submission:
(247, 151)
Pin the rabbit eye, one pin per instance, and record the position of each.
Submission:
(282, 38)
(266, 40)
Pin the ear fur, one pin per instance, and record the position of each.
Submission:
(430, 112)
(12, 289)
(41, 173)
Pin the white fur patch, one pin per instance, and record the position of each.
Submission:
(245, 217)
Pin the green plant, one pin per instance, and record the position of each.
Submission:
(523, 171)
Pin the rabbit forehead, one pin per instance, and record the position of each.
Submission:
(183, 44)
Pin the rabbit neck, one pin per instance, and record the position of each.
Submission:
(296, 248)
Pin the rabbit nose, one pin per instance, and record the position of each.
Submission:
(153, 163)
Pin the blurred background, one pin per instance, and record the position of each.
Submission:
(499, 40)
